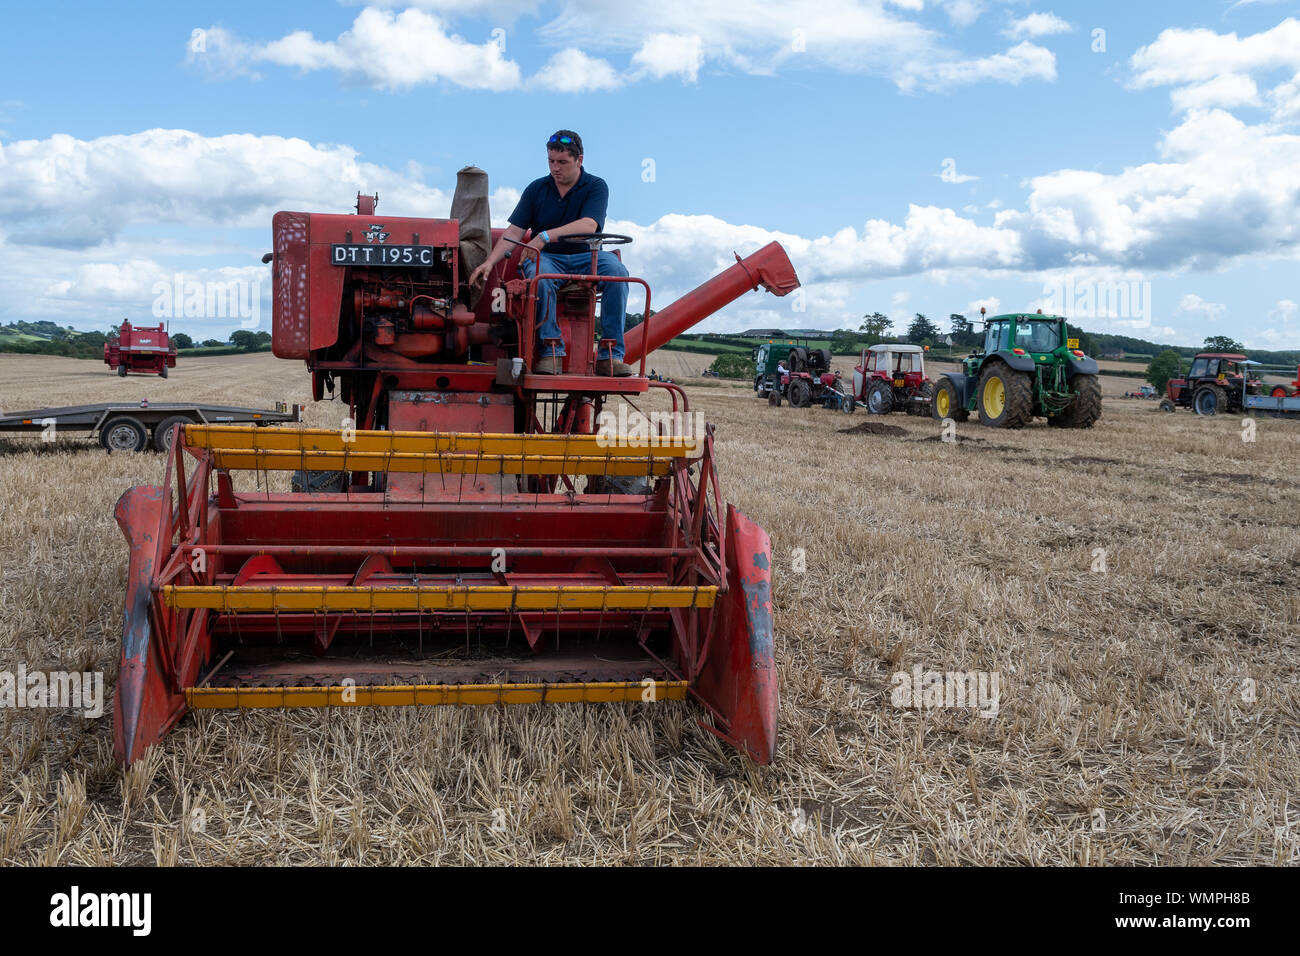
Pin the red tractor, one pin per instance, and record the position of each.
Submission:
(891, 377)
(805, 378)
(1214, 383)
(144, 349)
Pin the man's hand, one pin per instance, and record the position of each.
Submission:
(480, 274)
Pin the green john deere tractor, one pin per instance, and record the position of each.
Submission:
(1028, 368)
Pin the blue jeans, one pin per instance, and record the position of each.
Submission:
(613, 301)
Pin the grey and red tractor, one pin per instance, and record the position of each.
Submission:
(892, 377)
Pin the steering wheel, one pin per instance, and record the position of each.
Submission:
(594, 240)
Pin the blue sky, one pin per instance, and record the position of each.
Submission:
(912, 155)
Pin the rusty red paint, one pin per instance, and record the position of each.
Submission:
(403, 351)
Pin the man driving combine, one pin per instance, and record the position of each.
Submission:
(568, 202)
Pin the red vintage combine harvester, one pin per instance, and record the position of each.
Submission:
(476, 539)
(143, 349)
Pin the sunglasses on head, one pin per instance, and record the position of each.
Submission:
(566, 140)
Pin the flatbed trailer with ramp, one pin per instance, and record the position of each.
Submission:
(136, 426)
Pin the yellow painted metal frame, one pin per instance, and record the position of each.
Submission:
(252, 438)
(447, 463)
(419, 598)
(410, 695)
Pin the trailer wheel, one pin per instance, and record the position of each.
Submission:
(774, 398)
(162, 432)
(121, 371)
(163, 373)
(123, 434)
(1166, 405)
(847, 404)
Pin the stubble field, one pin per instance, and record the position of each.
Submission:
(1134, 588)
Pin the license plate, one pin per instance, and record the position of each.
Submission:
(898, 383)
(362, 254)
(1071, 343)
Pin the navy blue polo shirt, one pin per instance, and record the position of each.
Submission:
(541, 207)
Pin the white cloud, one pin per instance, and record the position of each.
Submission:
(400, 50)
(1224, 189)
(1181, 56)
(900, 297)
(572, 71)
(1228, 90)
(962, 13)
(668, 54)
(1284, 99)
(382, 49)
(1024, 61)
(1037, 25)
(70, 192)
(1285, 311)
(1194, 305)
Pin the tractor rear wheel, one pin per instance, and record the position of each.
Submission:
(880, 397)
(1280, 391)
(1005, 397)
(1209, 399)
(1084, 411)
(800, 393)
(822, 358)
(945, 404)
(798, 360)
(924, 396)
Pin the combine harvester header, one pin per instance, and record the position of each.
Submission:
(473, 539)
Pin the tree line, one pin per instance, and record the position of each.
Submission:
(52, 339)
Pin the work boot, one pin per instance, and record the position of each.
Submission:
(613, 367)
(550, 365)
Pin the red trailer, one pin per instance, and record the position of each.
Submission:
(145, 349)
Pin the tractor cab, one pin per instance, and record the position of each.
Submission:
(1040, 337)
